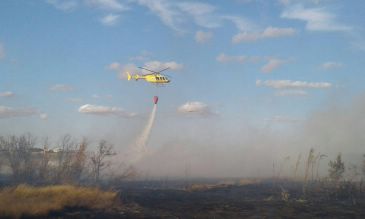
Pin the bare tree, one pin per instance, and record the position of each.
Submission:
(65, 152)
(321, 157)
(79, 160)
(363, 172)
(297, 165)
(309, 163)
(337, 168)
(363, 165)
(353, 172)
(98, 159)
(17, 151)
(44, 165)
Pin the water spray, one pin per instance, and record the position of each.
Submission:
(139, 149)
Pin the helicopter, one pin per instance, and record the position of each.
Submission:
(154, 77)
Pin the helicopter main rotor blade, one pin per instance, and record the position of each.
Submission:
(148, 70)
(164, 69)
(155, 71)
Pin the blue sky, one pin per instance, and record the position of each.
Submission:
(263, 63)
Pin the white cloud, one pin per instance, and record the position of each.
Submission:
(331, 65)
(145, 55)
(203, 37)
(242, 24)
(97, 96)
(114, 66)
(283, 93)
(61, 88)
(194, 107)
(201, 13)
(223, 58)
(272, 64)
(317, 19)
(273, 32)
(110, 19)
(63, 5)
(157, 65)
(43, 116)
(7, 94)
(288, 84)
(109, 5)
(168, 14)
(288, 2)
(122, 70)
(2, 51)
(269, 32)
(104, 111)
(7, 112)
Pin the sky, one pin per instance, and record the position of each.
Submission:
(246, 75)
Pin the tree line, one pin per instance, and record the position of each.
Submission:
(73, 162)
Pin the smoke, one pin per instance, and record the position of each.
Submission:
(138, 150)
(210, 148)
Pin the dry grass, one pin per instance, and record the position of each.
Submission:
(37, 201)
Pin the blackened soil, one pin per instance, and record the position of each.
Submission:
(261, 200)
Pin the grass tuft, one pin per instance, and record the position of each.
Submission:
(25, 200)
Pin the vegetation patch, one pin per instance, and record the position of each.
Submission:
(24, 200)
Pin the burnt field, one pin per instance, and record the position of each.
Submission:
(201, 199)
(259, 200)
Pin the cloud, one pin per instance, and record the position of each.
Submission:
(97, 96)
(7, 112)
(283, 93)
(157, 65)
(63, 5)
(175, 14)
(273, 32)
(145, 55)
(167, 13)
(289, 2)
(288, 84)
(203, 37)
(269, 32)
(114, 66)
(223, 58)
(61, 88)
(201, 13)
(110, 19)
(194, 107)
(7, 94)
(122, 70)
(331, 65)
(2, 51)
(104, 111)
(43, 116)
(272, 64)
(317, 19)
(242, 24)
(109, 5)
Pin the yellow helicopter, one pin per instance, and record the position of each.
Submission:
(154, 77)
